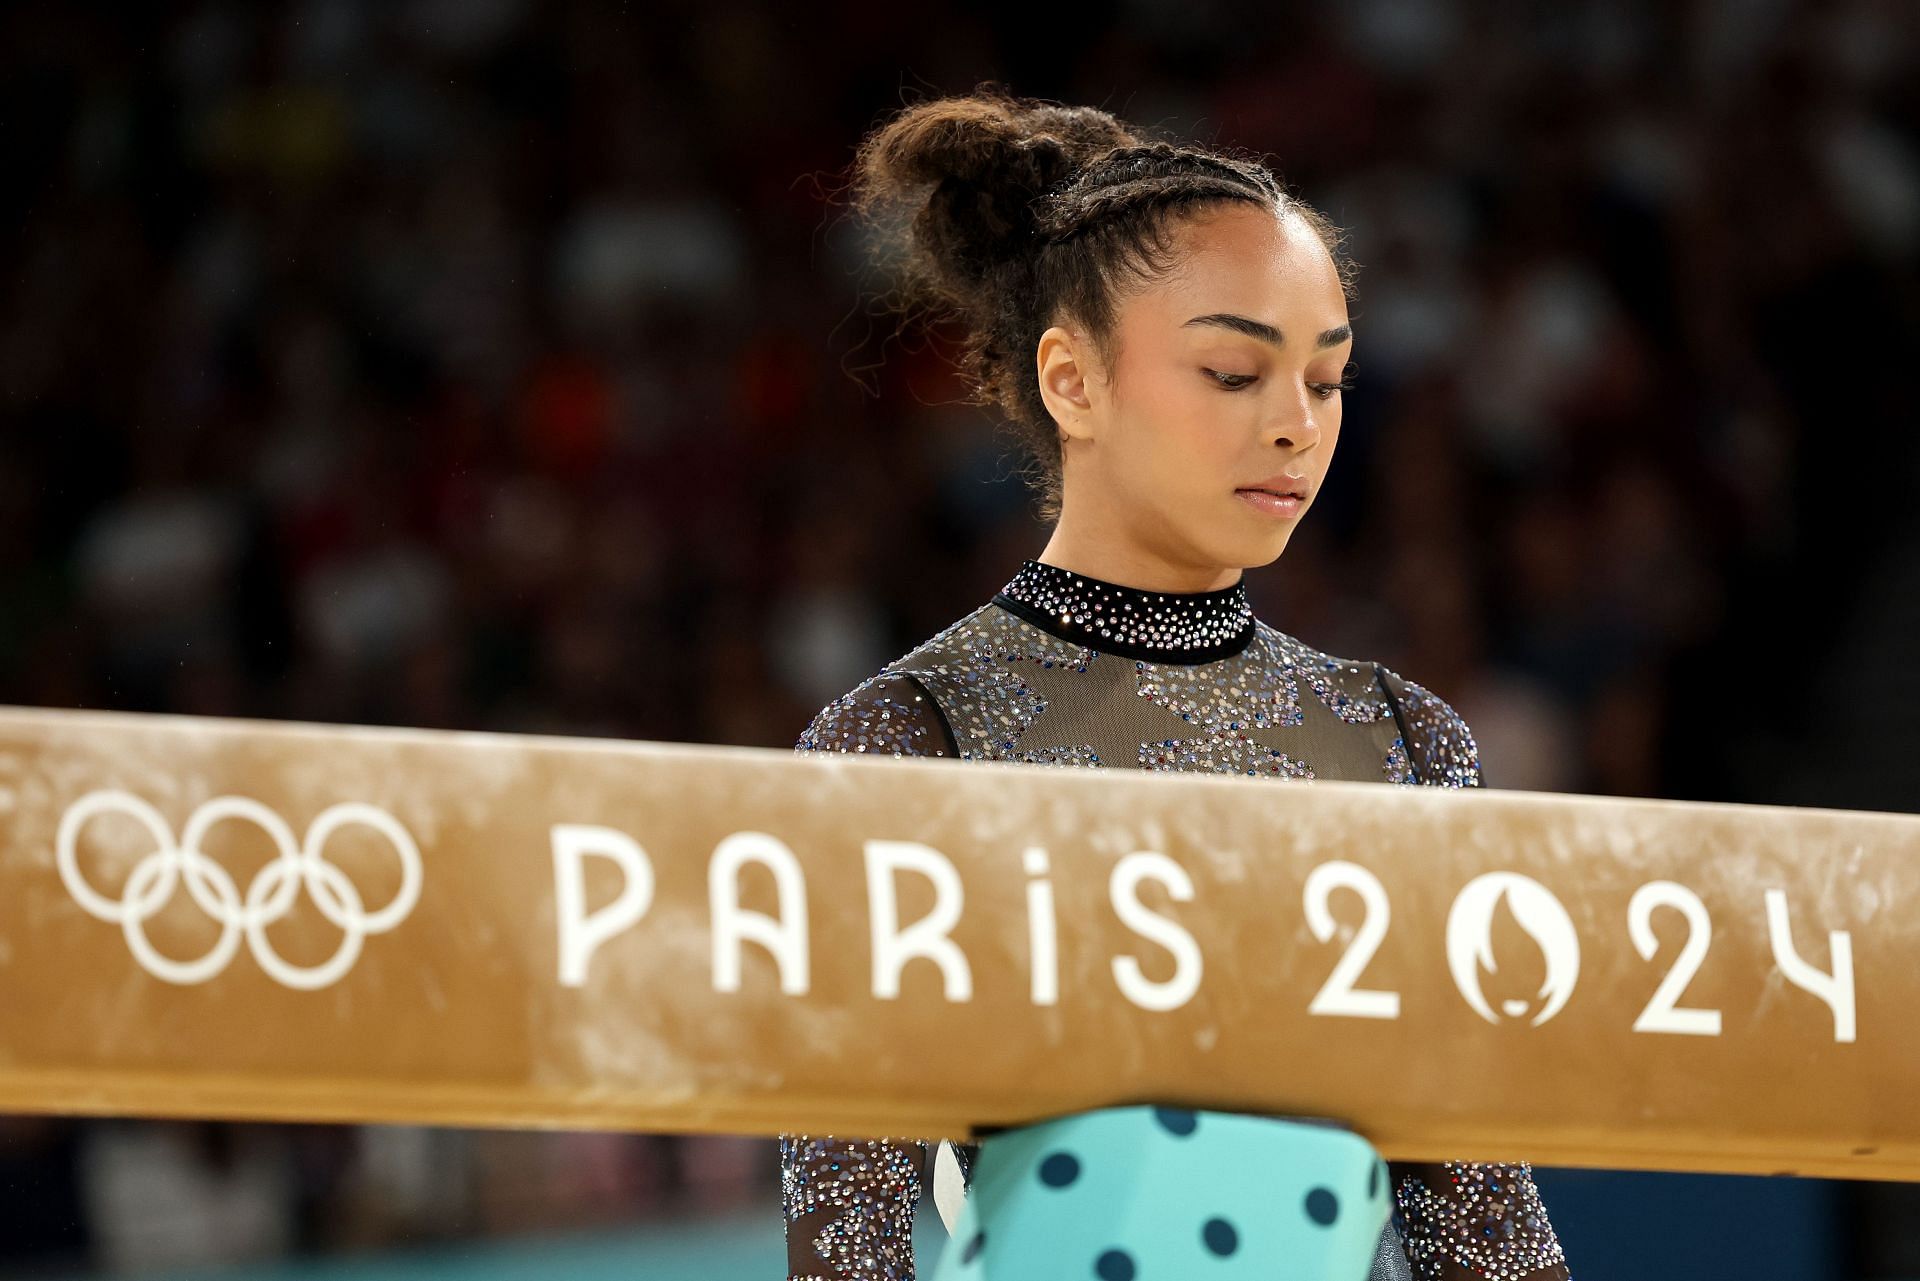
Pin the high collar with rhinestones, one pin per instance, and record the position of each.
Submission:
(1160, 627)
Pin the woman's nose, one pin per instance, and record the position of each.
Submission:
(1298, 428)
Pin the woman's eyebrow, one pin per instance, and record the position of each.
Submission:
(1263, 331)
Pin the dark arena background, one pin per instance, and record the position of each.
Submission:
(511, 366)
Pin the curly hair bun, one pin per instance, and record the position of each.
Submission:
(969, 168)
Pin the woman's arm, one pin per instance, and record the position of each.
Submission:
(849, 1206)
(849, 1203)
(1463, 1220)
(1467, 1221)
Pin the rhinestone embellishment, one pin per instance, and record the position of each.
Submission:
(1104, 616)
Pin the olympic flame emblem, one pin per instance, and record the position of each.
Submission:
(1538, 913)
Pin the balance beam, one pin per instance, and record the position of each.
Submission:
(226, 918)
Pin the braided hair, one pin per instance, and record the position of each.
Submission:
(1009, 214)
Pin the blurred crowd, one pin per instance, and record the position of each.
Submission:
(485, 364)
(136, 1197)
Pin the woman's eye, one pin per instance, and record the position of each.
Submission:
(1234, 382)
(1326, 390)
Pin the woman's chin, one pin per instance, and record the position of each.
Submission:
(1270, 542)
(1244, 553)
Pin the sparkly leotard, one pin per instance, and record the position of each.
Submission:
(1064, 669)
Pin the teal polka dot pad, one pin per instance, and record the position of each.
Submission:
(1168, 1194)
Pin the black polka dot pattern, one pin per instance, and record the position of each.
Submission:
(1177, 1121)
(1060, 1169)
(1220, 1237)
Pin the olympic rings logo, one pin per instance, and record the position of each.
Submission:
(269, 896)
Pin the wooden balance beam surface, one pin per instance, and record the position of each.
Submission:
(258, 920)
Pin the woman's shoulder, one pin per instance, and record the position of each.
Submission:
(1355, 678)
(1437, 739)
(888, 714)
(893, 712)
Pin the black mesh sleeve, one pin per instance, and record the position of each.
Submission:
(849, 1203)
(1463, 1220)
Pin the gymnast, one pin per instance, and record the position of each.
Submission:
(1167, 328)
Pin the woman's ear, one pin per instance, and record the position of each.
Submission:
(1062, 359)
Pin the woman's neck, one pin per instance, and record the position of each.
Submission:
(1112, 559)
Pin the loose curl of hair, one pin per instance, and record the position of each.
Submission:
(1010, 213)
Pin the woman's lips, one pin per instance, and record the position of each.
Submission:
(1280, 506)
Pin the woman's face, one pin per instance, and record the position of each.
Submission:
(1226, 379)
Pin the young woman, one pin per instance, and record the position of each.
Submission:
(1168, 328)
